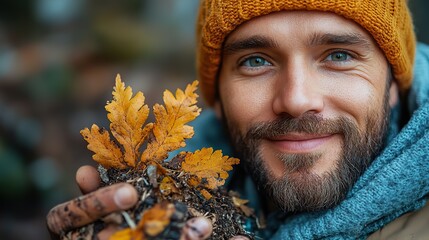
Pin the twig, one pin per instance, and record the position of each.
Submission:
(128, 219)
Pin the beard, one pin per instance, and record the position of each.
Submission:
(299, 189)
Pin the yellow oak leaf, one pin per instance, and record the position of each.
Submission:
(167, 186)
(208, 166)
(106, 152)
(127, 115)
(194, 181)
(153, 222)
(128, 234)
(206, 194)
(170, 129)
(155, 219)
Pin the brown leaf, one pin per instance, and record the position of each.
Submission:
(153, 222)
(170, 129)
(241, 204)
(194, 181)
(167, 186)
(127, 115)
(238, 201)
(128, 234)
(107, 153)
(208, 166)
(155, 219)
(206, 194)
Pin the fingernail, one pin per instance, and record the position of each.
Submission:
(125, 197)
(198, 228)
(239, 238)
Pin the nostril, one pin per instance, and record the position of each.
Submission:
(297, 103)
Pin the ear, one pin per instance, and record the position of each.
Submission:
(393, 94)
(217, 107)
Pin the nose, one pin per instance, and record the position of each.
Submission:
(297, 91)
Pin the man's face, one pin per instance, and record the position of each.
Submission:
(306, 101)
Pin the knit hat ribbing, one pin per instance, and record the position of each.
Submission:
(388, 21)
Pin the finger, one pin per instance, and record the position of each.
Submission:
(90, 207)
(107, 232)
(197, 228)
(104, 234)
(88, 179)
(239, 238)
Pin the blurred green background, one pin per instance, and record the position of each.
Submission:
(58, 61)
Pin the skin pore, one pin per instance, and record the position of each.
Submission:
(306, 99)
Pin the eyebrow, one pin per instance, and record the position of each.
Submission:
(317, 39)
(356, 39)
(252, 42)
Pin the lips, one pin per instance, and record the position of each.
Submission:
(299, 142)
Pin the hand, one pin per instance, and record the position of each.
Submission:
(95, 204)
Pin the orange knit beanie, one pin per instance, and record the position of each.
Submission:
(388, 21)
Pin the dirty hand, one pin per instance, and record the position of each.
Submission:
(97, 203)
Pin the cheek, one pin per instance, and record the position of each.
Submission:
(357, 98)
(245, 102)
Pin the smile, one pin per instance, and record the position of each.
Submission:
(299, 142)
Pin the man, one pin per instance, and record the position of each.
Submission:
(324, 110)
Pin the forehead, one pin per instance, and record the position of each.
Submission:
(299, 25)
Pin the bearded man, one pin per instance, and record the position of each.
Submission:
(321, 103)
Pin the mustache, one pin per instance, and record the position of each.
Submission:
(307, 123)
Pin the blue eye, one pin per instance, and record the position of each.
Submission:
(338, 56)
(255, 62)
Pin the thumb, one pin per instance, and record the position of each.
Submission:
(90, 207)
